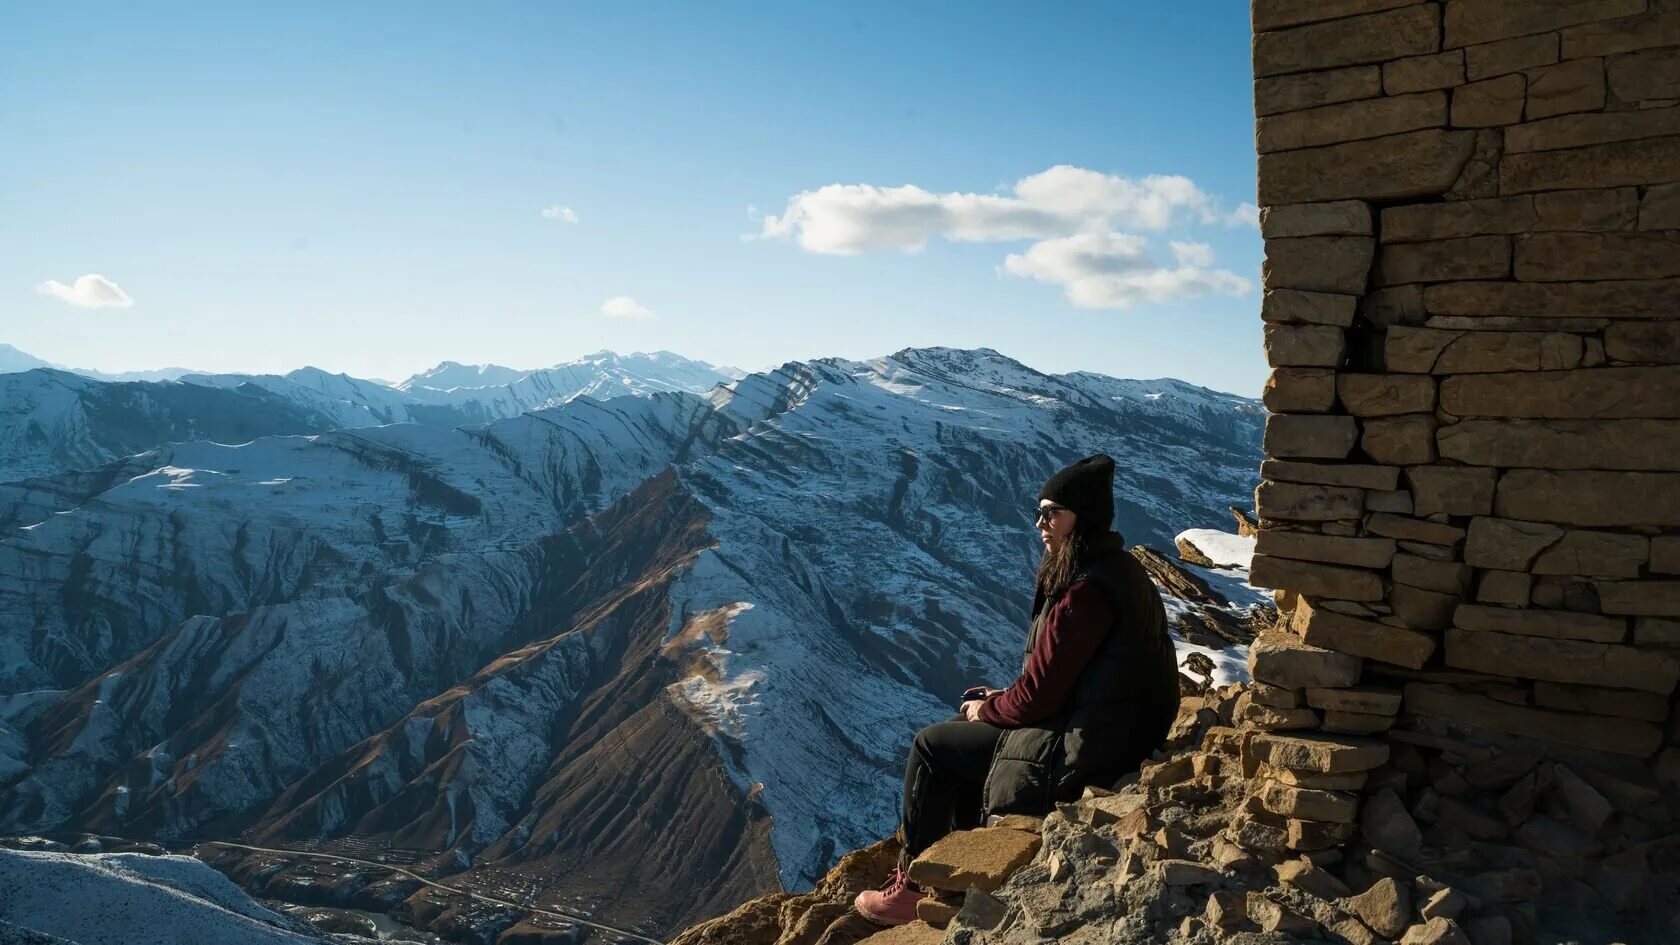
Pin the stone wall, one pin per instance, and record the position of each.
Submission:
(1471, 497)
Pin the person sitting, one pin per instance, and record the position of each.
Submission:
(1097, 692)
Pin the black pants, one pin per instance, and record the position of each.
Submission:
(943, 781)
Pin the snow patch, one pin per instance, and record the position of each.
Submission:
(1224, 549)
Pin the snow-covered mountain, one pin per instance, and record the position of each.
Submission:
(130, 898)
(54, 421)
(700, 627)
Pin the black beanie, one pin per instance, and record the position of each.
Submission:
(1086, 487)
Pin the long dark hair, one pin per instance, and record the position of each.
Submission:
(1058, 566)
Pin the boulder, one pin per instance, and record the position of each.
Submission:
(974, 859)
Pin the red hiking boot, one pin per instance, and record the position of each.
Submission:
(894, 903)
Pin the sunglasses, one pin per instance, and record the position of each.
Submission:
(1043, 512)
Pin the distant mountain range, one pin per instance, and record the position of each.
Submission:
(54, 420)
(700, 623)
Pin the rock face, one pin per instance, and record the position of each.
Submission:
(1514, 369)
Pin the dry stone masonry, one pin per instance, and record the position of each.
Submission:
(1471, 503)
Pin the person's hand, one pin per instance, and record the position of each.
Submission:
(971, 709)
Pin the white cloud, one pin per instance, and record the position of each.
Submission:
(563, 214)
(1113, 270)
(1060, 201)
(90, 291)
(1246, 214)
(1192, 254)
(623, 306)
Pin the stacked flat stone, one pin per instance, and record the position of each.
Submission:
(1470, 506)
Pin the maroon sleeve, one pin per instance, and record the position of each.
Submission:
(1072, 631)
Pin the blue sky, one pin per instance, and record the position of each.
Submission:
(361, 187)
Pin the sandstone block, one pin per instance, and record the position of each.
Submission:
(1556, 624)
(1656, 631)
(1600, 393)
(1355, 723)
(1486, 60)
(1351, 781)
(1350, 121)
(1387, 825)
(1414, 529)
(1310, 546)
(936, 912)
(1413, 164)
(1386, 907)
(1397, 501)
(1448, 577)
(1563, 257)
(1459, 219)
(1308, 804)
(1591, 498)
(1341, 633)
(1436, 931)
(1573, 86)
(1297, 502)
(1420, 608)
(1394, 305)
(1319, 580)
(1659, 209)
(1283, 660)
(1304, 875)
(1665, 554)
(1333, 218)
(1594, 554)
(1564, 444)
(1266, 15)
(1308, 835)
(1490, 103)
(1424, 73)
(1473, 257)
(1645, 75)
(1376, 37)
(1583, 731)
(1382, 395)
(974, 859)
(1309, 436)
(1273, 917)
(1503, 587)
(1331, 474)
(1304, 345)
(1287, 93)
(1293, 306)
(1321, 754)
(1399, 441)
(1300, 390)
(1274, 696)
(1184, 872)
(1482, 21)
(1340, 264)
(1452, 490)
(1267, 718)
(1607, 37)
(1507, 545)
(1611, 208)
(1623, 703)
(1569, 661)
(1648, 598)
(1577, 131)
(1367, 700)
(1650, 342)
(1617, 164)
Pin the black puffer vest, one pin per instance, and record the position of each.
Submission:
(1119, 710)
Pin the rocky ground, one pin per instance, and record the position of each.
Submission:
(1201, 850)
